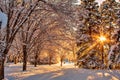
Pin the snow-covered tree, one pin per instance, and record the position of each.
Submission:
(19, 12)
(108, 10)
(88, 27)
(114, 53)
(17, 15)
(94, 22)
(89, 21)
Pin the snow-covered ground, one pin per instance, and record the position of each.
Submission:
(55, 72)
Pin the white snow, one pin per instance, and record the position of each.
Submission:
(55, 72)
(111, 50)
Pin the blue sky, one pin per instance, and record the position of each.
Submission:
(3, 19)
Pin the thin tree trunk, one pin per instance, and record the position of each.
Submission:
(36, 59)
(1, 69)
(24, 57)
(50, 60)
(15, 60)
(2, 60)
(61, 60)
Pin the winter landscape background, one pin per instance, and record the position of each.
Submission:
(59, 39)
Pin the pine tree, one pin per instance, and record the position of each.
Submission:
(109, 20)
(89, 18)
(114, 53)
(89, 21)
(108, 13)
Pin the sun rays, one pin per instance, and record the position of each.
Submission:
(102, 38)
(97, 40)
(85, 52)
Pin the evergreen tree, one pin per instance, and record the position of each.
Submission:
(95, 21)
(108, 13)
(109, 23)
(89, 21)
(114, 53)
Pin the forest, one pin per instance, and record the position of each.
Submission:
(40, 32)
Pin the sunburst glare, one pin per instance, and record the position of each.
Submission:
(102, 38)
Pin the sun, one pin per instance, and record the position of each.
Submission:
(102, 38)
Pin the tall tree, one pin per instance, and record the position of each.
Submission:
(88, 28)
(17, 15)
(108, 12)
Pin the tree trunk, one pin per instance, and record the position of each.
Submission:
(24, 57)
(50, 60)
(2, 60)
(61, 60)
(1, 69)
(36, 60)
(15, 60)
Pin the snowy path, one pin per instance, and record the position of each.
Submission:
(55, 72)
